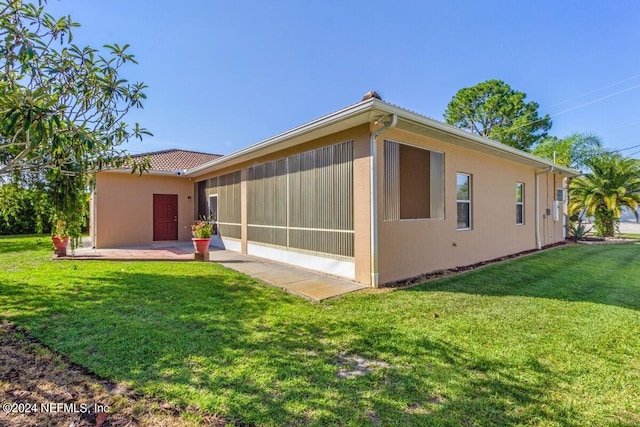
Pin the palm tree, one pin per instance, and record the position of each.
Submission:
(613, 182)
(572, 151)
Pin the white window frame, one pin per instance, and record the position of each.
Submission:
(520, 203)
(466, 201)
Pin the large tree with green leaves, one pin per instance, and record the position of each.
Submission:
(573, 151)
(493, 110)
(60, 102)
(62, 106)
(613, 182)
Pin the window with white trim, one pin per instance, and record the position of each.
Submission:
(463, 190)
(519, 203)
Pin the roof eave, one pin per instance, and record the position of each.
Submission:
(346, 118)
(155, 172)
(413, 122)
(368, 111)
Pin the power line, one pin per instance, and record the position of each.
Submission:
(633, 154)
(595, 91)
(624, 125)
(597, 100)
(625, 149)
(581, 105)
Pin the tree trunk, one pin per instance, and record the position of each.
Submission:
(605, 222)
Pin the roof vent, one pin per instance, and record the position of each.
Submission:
(371, 94)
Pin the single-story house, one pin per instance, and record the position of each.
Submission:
(131, 210)
(373, 192)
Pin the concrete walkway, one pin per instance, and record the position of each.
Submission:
(144, 253)
(306, 283)
(298, 281)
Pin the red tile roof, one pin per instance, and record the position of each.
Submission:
(172, 160)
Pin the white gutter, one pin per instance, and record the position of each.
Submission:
(94, 217)
(373, 169)
(522, 156)
(362, 107)
(154, 172)
(538, 239)
(565, 208)
(360, 113)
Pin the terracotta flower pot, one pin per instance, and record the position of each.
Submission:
(201, 245)
(60, 245)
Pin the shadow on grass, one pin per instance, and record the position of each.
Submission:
(26, 243)
(229, 346)
(604, 274)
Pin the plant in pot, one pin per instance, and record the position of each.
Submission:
(201, 231)
(60, 237)
(68, 201)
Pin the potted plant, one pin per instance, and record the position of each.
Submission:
(201, 231)
(60, 237)
(68, 202)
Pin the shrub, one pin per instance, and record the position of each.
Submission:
(578, 230)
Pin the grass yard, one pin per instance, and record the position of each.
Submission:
(551, 339)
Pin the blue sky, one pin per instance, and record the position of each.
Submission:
(226, 74)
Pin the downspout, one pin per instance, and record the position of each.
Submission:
(94, 225)
(565, 208)
(538, 239)
(373, 169)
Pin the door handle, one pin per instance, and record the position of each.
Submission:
(175, 219)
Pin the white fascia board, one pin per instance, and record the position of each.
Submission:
(486, 145)
(368, 111)
(153, 172)
(351, 116)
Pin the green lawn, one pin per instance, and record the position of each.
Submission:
(551, 339)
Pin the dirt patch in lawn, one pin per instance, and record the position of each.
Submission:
(41, 388)
(352, 365)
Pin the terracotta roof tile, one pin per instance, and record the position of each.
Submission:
(171, 160)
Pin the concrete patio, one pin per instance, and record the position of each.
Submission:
(306, 283)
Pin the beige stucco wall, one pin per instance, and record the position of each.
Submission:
(123, 207)
(362, 208)
(551, 231)
(411, 247)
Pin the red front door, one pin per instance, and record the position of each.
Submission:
(165, 217)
